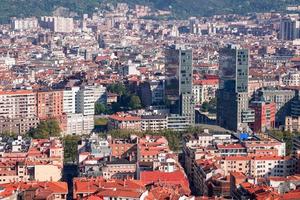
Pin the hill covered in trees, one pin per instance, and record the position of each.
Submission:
(180, 8)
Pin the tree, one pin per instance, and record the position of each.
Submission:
(210, 106)
(205, 106)
(100, 108)
(118, 88)
(286, 137)
(135, 102)
(70, 148)
(45, 129)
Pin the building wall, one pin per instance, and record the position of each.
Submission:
(78, 124)
(47, 173)
(154, 124)
(292, 124)
(264, 116)
(50, 104)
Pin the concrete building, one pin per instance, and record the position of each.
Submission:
(85, 101)
(233, 88)
(292, 124)
(69, 99)
(289, 29)
(179, 82)
(154, 122)
(78, 124)
(295, 105)
(291, 79)
(18, 111)
(119, 169)
(178, 123)
(57, 24)
(100, 94)
(79, 105)
(282, 98)
(152, 92)
(24, 24)
(259, 166)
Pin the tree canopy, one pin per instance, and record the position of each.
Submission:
(180, 8)
(70, 148)
(46, 129)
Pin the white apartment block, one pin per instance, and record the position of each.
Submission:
(57, 24)
(79, 105)
(78, 124)
(24, 24)
(80, 100)
(69, 103)
(99, 94)
(86, 102)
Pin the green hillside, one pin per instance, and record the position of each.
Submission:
(180, 8)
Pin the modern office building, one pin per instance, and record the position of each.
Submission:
(295, 105)
(232, 97)
(179, 82)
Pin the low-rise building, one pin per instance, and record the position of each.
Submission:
(124, 121)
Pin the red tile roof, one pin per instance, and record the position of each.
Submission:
(169, 178)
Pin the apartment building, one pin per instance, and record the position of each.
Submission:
(79, 106)
(119, 169)
(259, 166)
(154, 122)
(124, 121)
(57, 24)
(18, 111)
(205, 90)
(49, 104)
(292, 124)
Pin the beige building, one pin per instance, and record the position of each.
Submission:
(259, 166)
(292, 124)
(47, 172)
(18, 111)
(120, 169)
(154, 122)
(57, 24)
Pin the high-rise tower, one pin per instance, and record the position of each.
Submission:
(232, 96)
(179, 81)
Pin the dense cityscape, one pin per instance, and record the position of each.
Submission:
(126, 103)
